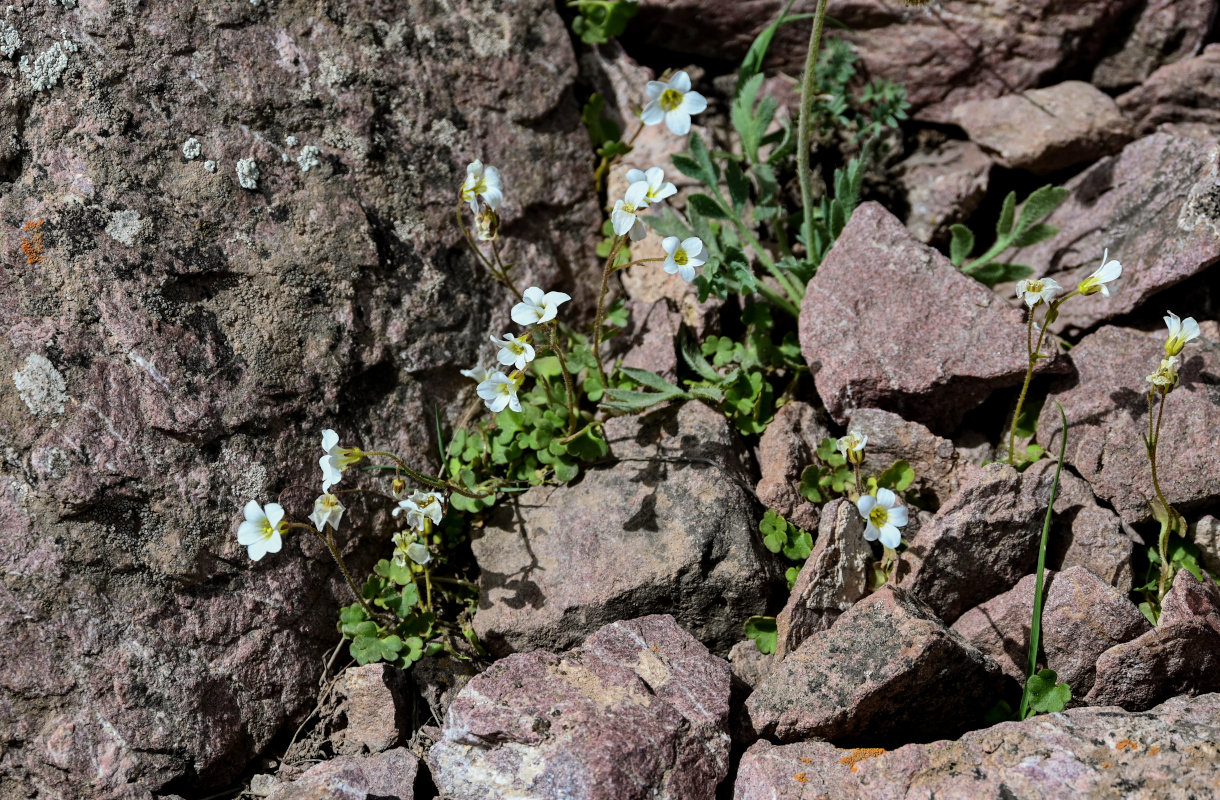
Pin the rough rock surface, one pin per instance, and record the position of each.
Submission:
(832, 579)
(748, 664)
(377, 709)
(1045, 130)
(891, 438)
(980, 543)
(1205, 533)
(1180, 656)
(887, 671)
(1107, 413)
(1166, 31)
(639, 711)
(943, 187)
(1188, 91)
(671, 528)
(1155, 206)
(957, 50)
(785, 449)
(1000, 626)
(908, 338)
(384, 776)
(196, 336)
(1169, 752)
(1086, 534)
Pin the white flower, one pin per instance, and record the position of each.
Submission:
(1166, 376)
(851, 446)
(482, 182)
(1038, 290)
(884, 517)
(682, 257)
(1107, 272)
(536, 307)
(326, 508)
(515, 350)
(336, 460)
(654, 178)
(673, 102)
(624, 218)
(420, 506)
(1181, 331)
(477, 373)
(261, 531)
(419, 553)
(500, 391)
(402, 541)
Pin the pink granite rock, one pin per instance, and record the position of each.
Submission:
(1205, 533)
(943, 186)
(651, 342)
(887, 671)
(1165, 32)
(377, 709)
(832, 579)
(1046, 130)
(1107, 414)
(916, 336)
(1000, 626)
(980, 543)
(785, 449)
(1180, 656)
(891, 438)
(955, 51)
(183, 340)
(383, 776)
(1155, 207)
(1088, 753)
(1186, 91)
(639, 711)
(670, 528)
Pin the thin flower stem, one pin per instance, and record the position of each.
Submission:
(428, 588)
(638, 261)
(495, 273)
(804, 134)
(601, 308)
(599, 174)
(329, 540)
(567, 378)
(1170, 513)
(495, 251)
(1034, 351)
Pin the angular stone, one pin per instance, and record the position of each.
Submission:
(785, 449)
(892, 438)
(1155, 207)
(887, 671)
(980, 543)
(671, 527)
(943, 186)
(1107, 415)
(640, 711)
(1205, 533)
(832, 579)
(1046, 130)
(927, 367)
(1000, 627)
(748, 664)
(384, 776)
(1180, 656)
(1097, 753)
(1166, 31)
(956, 51)
(378, 709)
(1187, 91)
(197, 355)
(652, 340)
(1083, 533)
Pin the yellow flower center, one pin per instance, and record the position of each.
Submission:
(879, 516)
(670, 99)
(1034, 287)
(267, 532)
(630, 209)
(680, 257)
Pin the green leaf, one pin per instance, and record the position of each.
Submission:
(703, 158)
(1033, 235)
(1003, 226)
(811, 483)
(993, 272)
(752, 64)
(650, 379)
(706, 206)
(763, 631)
(565, 471)
(790, 575)
(961, 244)
(739, 187)
(1148, 610)
(1038, 206)
(1046, 694)
(799, 546)
(692, 169)
(689, 349)
(898, 477)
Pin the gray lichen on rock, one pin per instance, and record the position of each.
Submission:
(125, 226)
(10, 39)
(247, 173)
(41, 386)
(45, 70)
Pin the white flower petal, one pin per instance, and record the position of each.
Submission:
(652, 113)
(687, 271)
(635, 176)
(248, 532)
(899, 516)
(275, 513)
(871, 534)
(693, 103)
(678, 122)
(680, 81)
(256, 550)
(886, 498)
(654, 89)
(891, 537)
(865, 504)
(669, 244)
(329, 439)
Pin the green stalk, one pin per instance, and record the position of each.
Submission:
(1035, 625)
(804, 134)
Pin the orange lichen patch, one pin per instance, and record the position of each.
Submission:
(1152, 751)
(1106, 764)
(1126, 744)
(800, 777)
(806, 760)
(859, 754)
(32, 246)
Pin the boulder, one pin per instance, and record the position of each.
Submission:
(639, 711)
(911, 337)
(1094, 753)
(1046, 130)
(1186, 91)
(785, 449)
(670, 527)
(885, 672)
(1164, 32)
(1155, 207)
(980, 543)
(1180, 656)
(385, 776)
(1107, 416)
(378, 709)
(943, 187)
(1205, 533)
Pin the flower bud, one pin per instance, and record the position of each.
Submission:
(398, 488)
(487, 223)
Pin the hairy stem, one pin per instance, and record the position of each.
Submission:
(567, 378)
(601, 308)
(804, 133)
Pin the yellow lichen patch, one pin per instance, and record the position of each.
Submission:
(859, 754)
